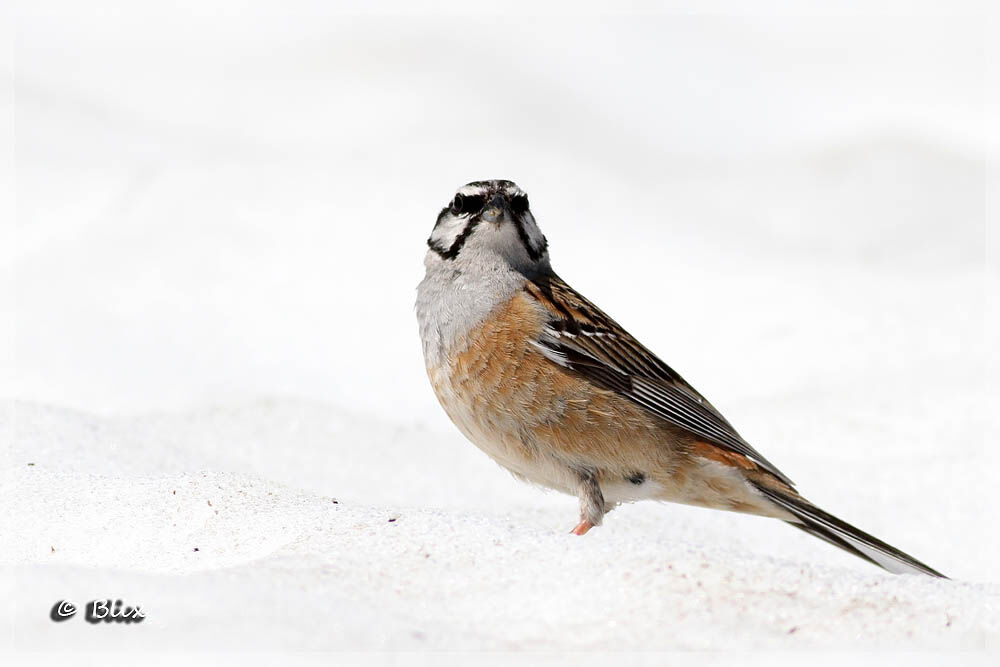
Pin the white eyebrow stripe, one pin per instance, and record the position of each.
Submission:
(471, 190)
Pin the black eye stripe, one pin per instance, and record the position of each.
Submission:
(467, 204)
(519, 204)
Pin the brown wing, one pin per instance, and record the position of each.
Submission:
(581, 337)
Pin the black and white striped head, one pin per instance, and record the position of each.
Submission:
(488, 218)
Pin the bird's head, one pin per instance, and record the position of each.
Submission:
(489, 220)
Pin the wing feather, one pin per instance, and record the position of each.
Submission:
(581, 337)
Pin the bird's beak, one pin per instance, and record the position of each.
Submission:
(495, 209)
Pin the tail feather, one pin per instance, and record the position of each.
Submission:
(834, 540)
(825, 526)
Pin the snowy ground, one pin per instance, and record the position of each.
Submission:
(305, 527)
(212, 401)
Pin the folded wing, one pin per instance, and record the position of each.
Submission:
(581, 337)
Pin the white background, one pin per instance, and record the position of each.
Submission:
(214, 222)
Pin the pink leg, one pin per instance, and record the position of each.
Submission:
(582, 527)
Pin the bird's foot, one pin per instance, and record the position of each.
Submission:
(582, 527)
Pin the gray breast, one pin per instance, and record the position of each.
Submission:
(456, 296)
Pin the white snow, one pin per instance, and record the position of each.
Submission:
(219, 218)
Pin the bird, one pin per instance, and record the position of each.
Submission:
(563, 397)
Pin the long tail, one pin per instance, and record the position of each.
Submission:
(827, 527)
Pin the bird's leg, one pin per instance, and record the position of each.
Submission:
(592, 506)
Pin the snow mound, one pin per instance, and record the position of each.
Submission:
(401, 538)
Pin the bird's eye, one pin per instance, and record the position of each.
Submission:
(519, 204)
(467, 204)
